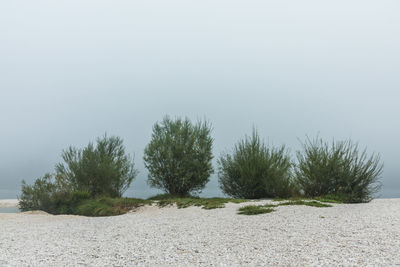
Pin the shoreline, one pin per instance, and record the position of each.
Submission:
(8, 203)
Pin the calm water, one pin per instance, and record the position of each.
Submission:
(9, 210)
(140, 189)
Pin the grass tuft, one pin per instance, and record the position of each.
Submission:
(312, 203)
(331, 199)
(254, 210)
(107, 206)
(205, 203)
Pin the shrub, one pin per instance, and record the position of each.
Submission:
(101, 170)
(39, 195)
(179, 156)
(256, 171)
(338, 169)
(96, 171)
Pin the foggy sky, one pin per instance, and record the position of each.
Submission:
(72, 70)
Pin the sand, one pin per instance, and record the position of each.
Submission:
(356, 234)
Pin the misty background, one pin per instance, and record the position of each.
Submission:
(73, 70)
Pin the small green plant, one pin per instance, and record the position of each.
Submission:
(254, 210)
(339, 170)
(256, 171)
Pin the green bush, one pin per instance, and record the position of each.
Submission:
(101, 170)
(338, 169)
(39, 196)
(179, 156)
(256, 171)
(104, 170)
(45, 195)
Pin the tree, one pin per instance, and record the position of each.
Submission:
(179, 156)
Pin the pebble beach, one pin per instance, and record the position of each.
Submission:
(346, 234)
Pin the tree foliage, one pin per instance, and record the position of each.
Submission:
(179, 156)
(104, 170)
(338, 169)
(255, 170)
(38, 196)
(101, 170)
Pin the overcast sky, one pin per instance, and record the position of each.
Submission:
(71, 70)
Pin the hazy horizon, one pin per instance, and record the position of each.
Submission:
(71, 71)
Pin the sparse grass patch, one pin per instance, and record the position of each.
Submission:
(104, 206)
(163, 197)
(331, 199)
(327, 199)
(266, 208)
(254, 210)
(312, 203)
(270, 205)
(205, 203)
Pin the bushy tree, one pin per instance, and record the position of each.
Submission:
(101, 170)
(39, 195)
(338, 169)
(179, 156)
(255, 170)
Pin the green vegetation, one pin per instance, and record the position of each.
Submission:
(260, 209)
(254, 210)
(92, 180)
(205, 203)
(101, 170)
(330, 199)
(95, 172)
(179, 156)
(256, 171)
(81, 203)
(326, 199)
(107, 206)
(312, 203)
(39, 196)
(338, 170)
(77, 203)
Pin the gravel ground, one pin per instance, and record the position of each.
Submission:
(357, 234)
